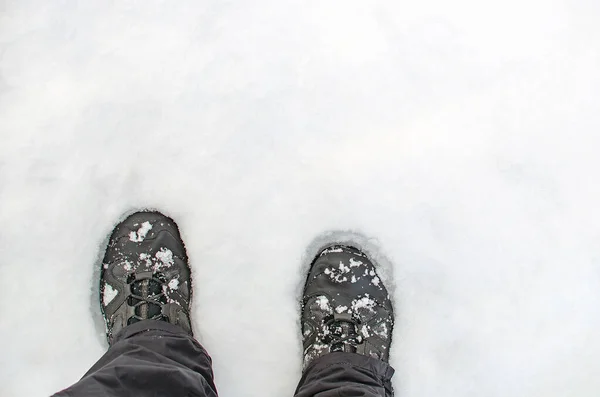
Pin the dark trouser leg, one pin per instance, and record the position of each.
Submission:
(149, 358)
(346, 374)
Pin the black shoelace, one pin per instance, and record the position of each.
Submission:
(343, 335)
(147, 297)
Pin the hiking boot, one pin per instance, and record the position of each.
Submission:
(145, 274)
(346, 307)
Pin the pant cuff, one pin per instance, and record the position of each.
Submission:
(148, 325)
(379, 369)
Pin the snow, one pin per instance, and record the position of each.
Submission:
(165, 256)
(323, 303)
(341, 309)
(380, 331)
(460, 138)
(337, 274)
(173, 284)
(331, 250)
(109, 294)
(365, 331)
(355, 263)
(165, 259)
(141, 233)
(343, 268)
(364, 302)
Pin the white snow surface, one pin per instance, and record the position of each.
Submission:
(462, 137)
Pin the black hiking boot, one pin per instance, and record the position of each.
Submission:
(145, 274)
(346, 307)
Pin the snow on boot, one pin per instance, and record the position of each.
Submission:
(145, 274)
(346, 307)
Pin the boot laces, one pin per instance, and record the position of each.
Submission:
(147, 296)
(342, 333)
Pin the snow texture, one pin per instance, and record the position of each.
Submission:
(174, 284)
(323, 303)
(164, 259)
(139, 235)
(462, 136)
(364, 302)
(109, 294)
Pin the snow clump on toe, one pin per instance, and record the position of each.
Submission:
(141, 233)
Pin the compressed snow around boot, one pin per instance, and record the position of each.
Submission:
(145, 274)
(346, 307)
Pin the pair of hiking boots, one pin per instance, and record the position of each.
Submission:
(145, 275)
